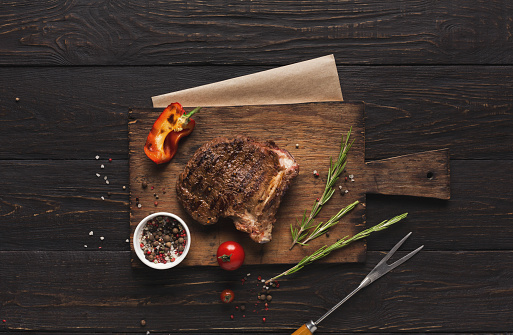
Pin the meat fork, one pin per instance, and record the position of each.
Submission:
(379, 270)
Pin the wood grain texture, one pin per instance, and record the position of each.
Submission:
(433, 74)
(59, 201)
(465, 109)
(245, 32)
(57, 204)
(86, 291)
(317, 128)
(424, 174)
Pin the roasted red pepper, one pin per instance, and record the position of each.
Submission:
(173, 124)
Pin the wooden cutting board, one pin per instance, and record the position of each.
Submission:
(312, 133)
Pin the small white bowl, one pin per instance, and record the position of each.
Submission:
(137, 242)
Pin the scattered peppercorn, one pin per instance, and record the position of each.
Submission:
(144, 184)
(143, 323)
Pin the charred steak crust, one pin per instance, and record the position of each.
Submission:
(238, 178)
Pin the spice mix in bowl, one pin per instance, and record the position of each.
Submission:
(162, 240)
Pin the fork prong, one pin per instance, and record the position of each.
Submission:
(393, 250)
(404, 259)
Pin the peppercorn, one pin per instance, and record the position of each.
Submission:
(144, 184)
(143, 323)
(242, 307)
(269, 298)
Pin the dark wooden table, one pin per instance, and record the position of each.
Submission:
(433, 74)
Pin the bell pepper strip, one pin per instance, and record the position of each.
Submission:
(172, 124)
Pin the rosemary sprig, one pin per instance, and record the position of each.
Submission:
(334, 172)
(326, 250)
(323, 227)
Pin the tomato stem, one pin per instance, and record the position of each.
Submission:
(225, 258)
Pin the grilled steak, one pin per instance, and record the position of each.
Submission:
(237, 178)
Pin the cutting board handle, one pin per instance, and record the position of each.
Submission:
(423, 174)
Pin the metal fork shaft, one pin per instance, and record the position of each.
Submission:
(379, 270)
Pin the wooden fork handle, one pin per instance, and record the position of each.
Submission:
(303, 330)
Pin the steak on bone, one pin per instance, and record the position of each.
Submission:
(237, 178)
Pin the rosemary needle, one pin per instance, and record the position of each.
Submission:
(334, 172)
(326, 250)
(323, 227)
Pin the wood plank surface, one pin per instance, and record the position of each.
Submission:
(60, 202)
(75, 292)
(317, 130)
(423, 174)
(248, 32)
(432, 74)
(87, 107)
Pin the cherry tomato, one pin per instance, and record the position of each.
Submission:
(227, 296)
(230, 255)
